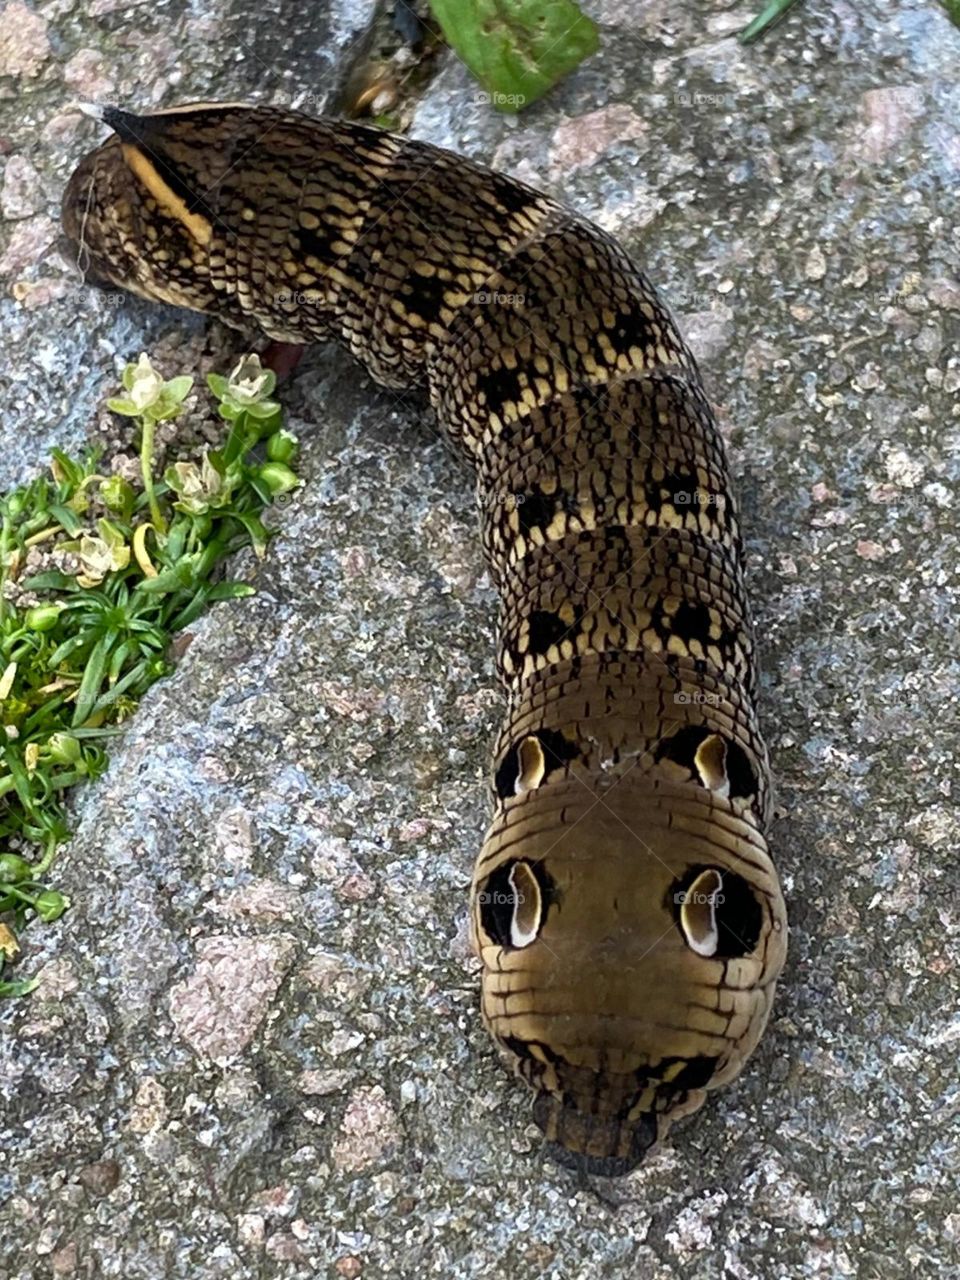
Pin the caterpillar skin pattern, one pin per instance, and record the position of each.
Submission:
(624, 905)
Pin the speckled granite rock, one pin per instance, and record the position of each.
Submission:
(255, 1051)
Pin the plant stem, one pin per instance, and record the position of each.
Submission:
(4, 552)
(146, 470)
(243, 436)
(48, 856)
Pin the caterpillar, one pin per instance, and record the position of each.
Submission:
(624, 904)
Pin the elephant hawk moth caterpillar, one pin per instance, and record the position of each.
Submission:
(627, 913)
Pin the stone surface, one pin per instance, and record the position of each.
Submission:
(255, 1050)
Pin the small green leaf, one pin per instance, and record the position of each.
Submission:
(69, 519)
(177, 389)
(51, 580)
(231, 591)
(177, 540)
(118, 496)
(259, 534)
(119, 657)
(765, 20)
(21, 988)
(124, 407)
(282, 445)
(63, 748)
(50, 904)
(63, 651)
(179, 578)
(13, 868)
(21, 779)
(42, 617)
(69, 470)
(93, 675)
(130, 679)
(263, 410)
(517, 49)
(278, 478)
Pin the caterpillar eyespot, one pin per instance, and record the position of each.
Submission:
(698, 912)
(532, 765)
(718, 913)
(624, 904)
(513, 904)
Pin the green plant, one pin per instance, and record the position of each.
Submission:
(517, 49)
(122, 569)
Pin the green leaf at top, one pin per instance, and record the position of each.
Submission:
(769, 17)
(517, 49)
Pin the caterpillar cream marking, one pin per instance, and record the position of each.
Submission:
(625, 907)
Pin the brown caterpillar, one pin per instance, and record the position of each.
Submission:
(627, 913)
